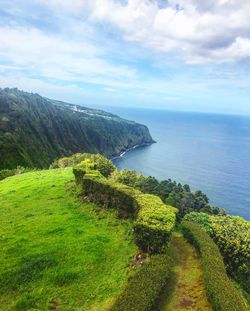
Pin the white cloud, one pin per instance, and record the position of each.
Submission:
(195, 30)
(52, 56)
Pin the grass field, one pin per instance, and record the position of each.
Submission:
(57, 253)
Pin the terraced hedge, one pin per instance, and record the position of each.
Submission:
(232, 235)
(220, 290)
(144, 287)
(154, 221)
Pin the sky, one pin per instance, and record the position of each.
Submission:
(190, 55)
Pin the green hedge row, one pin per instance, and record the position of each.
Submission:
(154, 221)
(220, 290)
(102, 164)
(154, 224)
(232, 235)
(144, 287)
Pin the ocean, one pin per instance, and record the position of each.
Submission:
(207, 151)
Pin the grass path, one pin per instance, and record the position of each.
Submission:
(186, 289)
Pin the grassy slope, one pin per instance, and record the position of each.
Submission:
(186, 289)
(57, 254)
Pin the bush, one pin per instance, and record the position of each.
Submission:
(201, 219)
(19, 170)
(154, 224)
(171, 192)
(144, 287)
(154, 220)
(232, 235)
(220, 290)
(102, 164)
(110, 195)
(6, 173)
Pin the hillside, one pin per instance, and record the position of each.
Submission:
(76, 238)
(35, 130)
(56, 252)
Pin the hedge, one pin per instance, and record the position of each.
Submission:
(232, 235)
(144, 287)
(154, 221)
(154, 224)
(220, 290)
(102, 164)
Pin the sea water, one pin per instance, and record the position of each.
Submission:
(207, 151)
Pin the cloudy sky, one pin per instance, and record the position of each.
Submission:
(168, 54)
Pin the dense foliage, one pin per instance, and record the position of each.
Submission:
(154, 224)
(19, 170)
(154, 220)
(34, 130)
(102, 164)
(232, 235)
(220, 289)
(171, 192)
(145, 286)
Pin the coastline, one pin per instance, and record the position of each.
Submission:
(123, 152)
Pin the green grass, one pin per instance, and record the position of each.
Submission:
(185, 290)
(57, 253)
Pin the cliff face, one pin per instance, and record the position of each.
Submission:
(35, 130)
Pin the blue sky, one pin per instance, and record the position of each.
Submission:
(179, 55)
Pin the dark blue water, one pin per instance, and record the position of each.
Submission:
(208, 152)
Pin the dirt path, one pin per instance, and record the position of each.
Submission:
(186, 289)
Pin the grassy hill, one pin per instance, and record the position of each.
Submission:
(57, 253)
(34, 130)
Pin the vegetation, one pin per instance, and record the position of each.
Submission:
(53, 244)
(171, 192)
(19, 170)
(58, 253)
(154, 224)
(185, 288)
(232, 235)
(34, 130)
(144, 287)
(102, 164)
(154, 220)
(220, 290)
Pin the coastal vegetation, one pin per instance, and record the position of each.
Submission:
(112, 194)
(83, 235)
(171, 192)
(154, 221)
(232, 235)
(34, 130)
(221, 291)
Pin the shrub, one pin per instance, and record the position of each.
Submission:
(171, 192)
(154, 223)
(220, 290)
(144, 287)
(232, 235)
(154, 220)
(202, 219)
(102, 192)
(102, 164)
(6, 173)
(19, 170)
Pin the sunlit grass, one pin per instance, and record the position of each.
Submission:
(57, 253)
